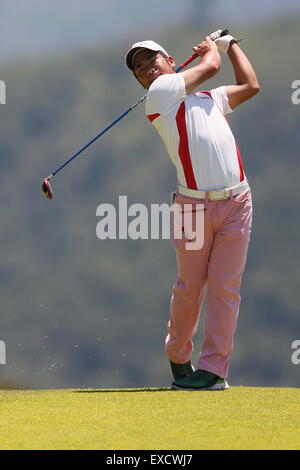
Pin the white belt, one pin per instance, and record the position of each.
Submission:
(216, 194)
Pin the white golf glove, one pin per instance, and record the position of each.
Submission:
(224, 42)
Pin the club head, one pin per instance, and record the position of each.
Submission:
(46, 188)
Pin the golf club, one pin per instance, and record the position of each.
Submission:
(46, 186)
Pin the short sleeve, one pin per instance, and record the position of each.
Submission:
(220, 97)
(164, 92)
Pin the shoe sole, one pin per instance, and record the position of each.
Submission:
(218, 386)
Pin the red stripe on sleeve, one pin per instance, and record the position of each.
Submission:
(184, 152)
(152, 117)
(206, 93)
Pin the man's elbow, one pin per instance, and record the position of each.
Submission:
(254, 88)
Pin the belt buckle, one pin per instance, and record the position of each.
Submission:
(218, 195)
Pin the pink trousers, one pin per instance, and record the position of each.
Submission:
(216, 269)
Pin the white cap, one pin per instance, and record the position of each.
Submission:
(138, 46)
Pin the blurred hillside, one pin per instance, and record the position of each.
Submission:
(77, 311)
(34, 29)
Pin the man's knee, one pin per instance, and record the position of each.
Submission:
(188, 291)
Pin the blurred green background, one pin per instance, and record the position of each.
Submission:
(80, 312)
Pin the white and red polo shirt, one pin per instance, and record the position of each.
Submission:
(196, 133)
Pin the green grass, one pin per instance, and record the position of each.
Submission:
(153, 419)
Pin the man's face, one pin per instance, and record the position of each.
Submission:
(148, 65)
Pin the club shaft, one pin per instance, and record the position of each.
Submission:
(187, 62)
(91, 141)
(178, 69)
(115, 121)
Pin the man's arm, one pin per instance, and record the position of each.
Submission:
(208, 67)
(246, 80)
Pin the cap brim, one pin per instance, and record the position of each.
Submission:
(130, 55)
(132, 52)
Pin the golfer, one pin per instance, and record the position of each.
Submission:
(210, 171)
